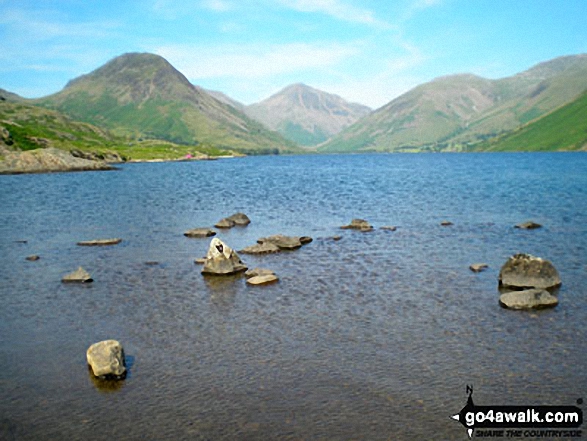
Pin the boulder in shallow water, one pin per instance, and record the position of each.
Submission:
(239, 219)
(528, 225)
(222, 260)
(358, 224)
(78, 276)
(200, 232)
(225, 223)
(106, 358)
(285, 242)
(261, 248)
(478, 267)
(528, 299)
(527, 271)
(33, 258)
(263, 280)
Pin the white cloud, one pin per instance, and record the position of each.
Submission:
(336, 9)
(217, 5)
(250, 61)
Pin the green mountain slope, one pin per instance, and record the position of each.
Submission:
(459, 111)
(562, 129)
(24, 126)
(143, 96)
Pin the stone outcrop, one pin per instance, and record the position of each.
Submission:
(225, 223)
(528, 299)
(99, 242)
(261, 276)
(106, 359)
(78, 276)
(523, 271)
(47, 160)
(358, 224)
(200, 232)
(222, 260)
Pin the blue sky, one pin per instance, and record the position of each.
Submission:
(367, 51)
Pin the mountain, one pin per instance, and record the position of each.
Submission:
(563, 129)
(223, 98)
(141, 95)
(459, 111)
(306, 115)
(9, 96)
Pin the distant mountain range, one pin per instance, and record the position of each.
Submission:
(459, 111)
(306, 115)
(139, 103)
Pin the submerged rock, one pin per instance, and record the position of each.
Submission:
(222, 260)
(528, 225)
(255, 272)
(78, 276)
(527, 271)
(358, 224)
(528, 299)
(200, 232)
(99, 242)
(32, 258)
(478, 267)
(261, 248)
(389, 228)
(106, 358)
(446, 223)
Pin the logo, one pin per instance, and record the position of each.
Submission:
(520, 421)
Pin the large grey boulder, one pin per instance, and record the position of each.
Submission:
(106, 358)
(528, 299)
(225, 223)
(78, 276)
(527, 271)
(222, 260)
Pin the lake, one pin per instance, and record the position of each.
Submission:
(374, 336)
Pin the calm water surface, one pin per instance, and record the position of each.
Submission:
(371, 337)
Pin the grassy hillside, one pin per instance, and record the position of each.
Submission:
(26, 127)
(459, 111)
(562, 129)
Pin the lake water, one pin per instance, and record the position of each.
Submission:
(371, 337)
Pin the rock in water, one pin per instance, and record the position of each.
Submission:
(528, 299)
(285, 242)
(263, 280)
(78, 276)
(528, 225)
(106, 358)
(358, 224)
(99, 242)
(478, 267)
(200, 232)
(261, 248)
(258, 272)
(240, 219)
(222, 260)
(526, 271)
(225, 223)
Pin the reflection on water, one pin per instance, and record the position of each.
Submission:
(373, 336)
